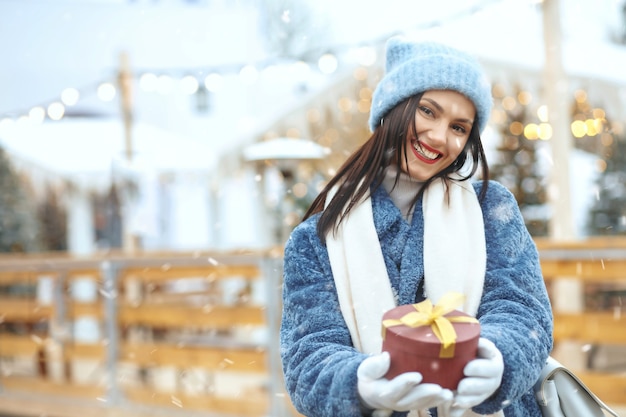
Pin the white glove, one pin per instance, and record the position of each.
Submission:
(482, 378)
(403, 393)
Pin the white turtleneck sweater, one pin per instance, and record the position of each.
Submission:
(404, 192)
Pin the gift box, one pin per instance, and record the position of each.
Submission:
(435, 340)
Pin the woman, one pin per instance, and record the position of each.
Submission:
(401, 222)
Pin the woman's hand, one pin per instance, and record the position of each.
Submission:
(482, 378)
(403, 393)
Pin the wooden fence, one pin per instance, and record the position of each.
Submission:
(182, 334)
(598, 267)
(141, 335)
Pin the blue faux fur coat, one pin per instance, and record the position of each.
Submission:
(319, 361)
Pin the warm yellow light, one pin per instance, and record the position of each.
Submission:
(508, 103)
(498, 116)
(606, 139)
(545, 131)
(365, 93)
(581, 96)
(363, 105)
(516, 128)
(313, 116)
(56, 111)
(360, 74)
(599, 114)
(542, 113)
(324, 141)
(511, 142)
(591, 127)
(299, 190)
(531, 131)
(293, 133)
(524, 97)
(601, 165)
(498, 90)
(345, 104)
(579, 128)
(332, 134)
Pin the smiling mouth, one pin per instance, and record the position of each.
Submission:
(424, 152)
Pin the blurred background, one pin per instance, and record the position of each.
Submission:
(127, 122)
(155, 154)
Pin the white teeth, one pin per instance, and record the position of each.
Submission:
(424, 152)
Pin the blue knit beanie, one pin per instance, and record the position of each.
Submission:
(413, 68)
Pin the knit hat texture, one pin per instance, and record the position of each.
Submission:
(413, 68)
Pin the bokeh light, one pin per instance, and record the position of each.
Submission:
(106, 91)
(213, 82)
(56, 111)
(328, 63)
(70, 96)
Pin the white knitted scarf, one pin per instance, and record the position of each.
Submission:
(454, 260)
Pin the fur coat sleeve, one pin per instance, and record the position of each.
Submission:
(319, 361)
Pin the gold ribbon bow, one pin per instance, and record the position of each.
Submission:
(427, 314)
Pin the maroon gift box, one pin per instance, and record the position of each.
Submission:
(418, 348)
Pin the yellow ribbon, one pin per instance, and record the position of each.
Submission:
(427, 314)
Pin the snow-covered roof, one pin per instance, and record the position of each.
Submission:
(92, 152)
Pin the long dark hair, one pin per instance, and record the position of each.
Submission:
(364, 169)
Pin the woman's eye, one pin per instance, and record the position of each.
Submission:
(426, 110)
(459, 129)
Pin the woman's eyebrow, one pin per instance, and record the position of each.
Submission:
(434, 103)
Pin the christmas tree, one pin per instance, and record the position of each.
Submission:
(516, 166)
(597, 134)
(18, 217)
(53, 222)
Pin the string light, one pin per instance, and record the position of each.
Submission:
(363, 54)
(56, 110)
(148, 82)
(327, 63)
(213, 82)
(189, 85)
(37, 114)
(106, 92)
(70, 96)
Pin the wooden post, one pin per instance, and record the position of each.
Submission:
(125, 79)
(567, 292)
(557, 93)
(130, 241)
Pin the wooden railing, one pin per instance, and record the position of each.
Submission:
(178, 333)
(598, 265)
(161, 334)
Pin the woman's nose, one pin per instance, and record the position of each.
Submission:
(437, 134)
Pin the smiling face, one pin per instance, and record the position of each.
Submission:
(443, 122)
